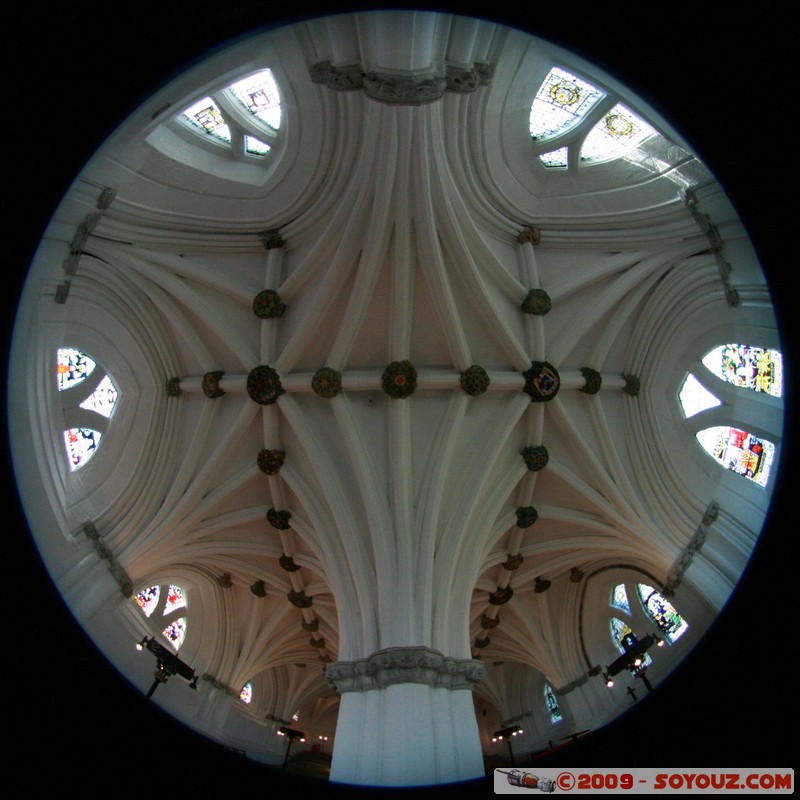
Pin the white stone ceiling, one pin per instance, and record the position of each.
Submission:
(399, 228)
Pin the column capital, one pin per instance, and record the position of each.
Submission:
(404, 665)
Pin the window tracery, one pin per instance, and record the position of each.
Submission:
(561, 102)
(171, 600)
(244, 116)
(73, 367)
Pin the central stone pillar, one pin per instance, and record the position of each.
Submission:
(406, 718)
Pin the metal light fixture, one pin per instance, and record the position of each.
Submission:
(633, 658)
(167, 664)
(505, 734)
(291, 734)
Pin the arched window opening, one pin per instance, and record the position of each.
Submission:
(175, 632)
(72, 367)
(81, 444)
(662, 612)
(756, 368)
(560, 104)
(552, 704)
(259, 95)
(739, 451)
(619, 132)
(695, 397)
(175, 600)
(619, 598)
(247, 113)
(171, 600)
(103, 399)
(246, 695)
(147, 599)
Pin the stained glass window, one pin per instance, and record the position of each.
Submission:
(81, 445)
(662, 612)
(695, 397)
(259, 95)
(619, 598)
(147, 599)
(756, 368)
(175, 600)
(739, 451)
(246, 695)
(561, 102)
(72, 367)
(617, 133)
(552, 704)
(206, 114)
(175, 632)
(557, 159)
(103, 398)
(258, 98)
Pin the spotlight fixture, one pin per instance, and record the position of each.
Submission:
(167, 664)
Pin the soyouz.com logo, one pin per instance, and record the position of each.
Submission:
(648, 781)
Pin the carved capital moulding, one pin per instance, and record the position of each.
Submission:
(402, 89)
(404, 665)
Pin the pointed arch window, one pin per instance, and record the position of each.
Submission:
(562, 101)
(147, 599)
(78, 376)
(175, 632)
(552, 704)
(171, 622)
(759, 369)
(72, 367)
(619, 598)
(662, 612)
(739, 451)
(245, 116)
(619, 132)
(695, 397)
(246, 695)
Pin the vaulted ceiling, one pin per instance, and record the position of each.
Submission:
(429, 486)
